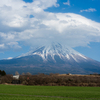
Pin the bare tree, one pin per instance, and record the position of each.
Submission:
(16, 73)
(23, 73)
(28, 73)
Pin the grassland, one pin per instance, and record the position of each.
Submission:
(18, 92)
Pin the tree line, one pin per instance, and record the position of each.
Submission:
(2, 73)
(55, 80)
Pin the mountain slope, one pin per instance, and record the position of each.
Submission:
(53, 58)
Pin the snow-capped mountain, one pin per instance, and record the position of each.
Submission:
(56, 49)
(53, 58)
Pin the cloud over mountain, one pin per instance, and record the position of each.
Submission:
(67, 28)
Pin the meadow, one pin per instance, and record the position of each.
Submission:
(22, 92)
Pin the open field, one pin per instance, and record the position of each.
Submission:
(20, 92)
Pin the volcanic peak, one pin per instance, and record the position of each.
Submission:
(56, 49)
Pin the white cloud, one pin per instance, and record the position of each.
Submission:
(88, 10)
(66, 28)
(2, 46)
(67, 3)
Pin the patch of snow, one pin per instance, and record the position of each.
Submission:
(68, 56)
(74, 58)
(82, 56)
(10, 58)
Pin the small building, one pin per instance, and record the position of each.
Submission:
(69, 74)
(16, 80)
(16, 77)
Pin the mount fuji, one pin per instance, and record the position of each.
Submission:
(53, 58)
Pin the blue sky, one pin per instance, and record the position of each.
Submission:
(26, 24)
